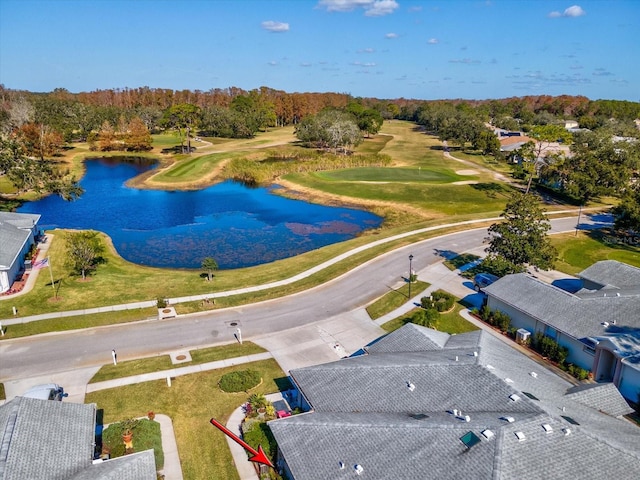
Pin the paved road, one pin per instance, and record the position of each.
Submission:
(65, 351)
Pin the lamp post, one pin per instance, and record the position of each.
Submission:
(410, 274)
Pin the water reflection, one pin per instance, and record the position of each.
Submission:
(236, 225)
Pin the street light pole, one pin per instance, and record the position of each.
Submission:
(410, 274)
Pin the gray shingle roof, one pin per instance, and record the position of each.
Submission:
(611, 272)
(137, 466)
(45, 439)
(25, 221)
(388, 439)
(50, 440)
(601, 396)
(412, 338)
(12, 240)
(578, 317)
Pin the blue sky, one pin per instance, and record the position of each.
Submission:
(429, 49)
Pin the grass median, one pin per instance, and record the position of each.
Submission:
(160, 363)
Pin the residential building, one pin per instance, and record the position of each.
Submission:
(424, 404)
(51, 440)
(597, 321)
(18, 232)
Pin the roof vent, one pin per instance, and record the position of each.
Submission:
(520, 436)
(341, 465)
(534, 374)
(411, 386)
(475, 354)
(547, 428)
(617, 294)
(508, 380)
(488, 434)
(514, 397)
(490, 367)
(456, 358)
(605, 324)
(455, 412)
(508, 419)
(358, 468)
(467, 418)
(566, 431)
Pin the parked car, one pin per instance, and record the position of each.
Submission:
(482, 280)
(47, 391)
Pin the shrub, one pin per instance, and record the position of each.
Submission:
(439, 300)
(259, 433)
(578, 372)
(162, 302)
(501, 320)
(258, 400)
(239, 381)
(426, 318)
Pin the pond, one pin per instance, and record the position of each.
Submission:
(236, 225)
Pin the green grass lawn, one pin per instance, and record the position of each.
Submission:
(394, 299)
(451, 322)
(190, 402)
(575, 253)
(163, 362)
(389, 174)
(449, 201)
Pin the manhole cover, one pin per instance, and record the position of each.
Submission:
(233, 324)
(181, 357)
(166, 310)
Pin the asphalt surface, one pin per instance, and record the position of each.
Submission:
(337, 302)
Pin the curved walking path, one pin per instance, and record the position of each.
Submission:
(300, 276)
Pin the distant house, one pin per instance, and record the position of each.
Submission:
(50, 440)
(424, 404)
(18, 232)
(599, 323)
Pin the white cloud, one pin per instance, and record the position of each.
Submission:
(391, 35)
(366, 50)
(273, 63)
(381, 7)
(433, 41)
(364, 64)
(275, 26)
(372, 8)
(572, 11)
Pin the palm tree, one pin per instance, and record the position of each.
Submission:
(210, 265)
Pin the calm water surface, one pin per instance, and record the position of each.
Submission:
(236, 225)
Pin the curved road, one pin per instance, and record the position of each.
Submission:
(64, 351)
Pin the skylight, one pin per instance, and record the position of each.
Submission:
(547, 428)
(570, 420)
(508, 419)
(470, 439)
(514, 397)
(520, 436)
(419, 416)
(531, 396)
